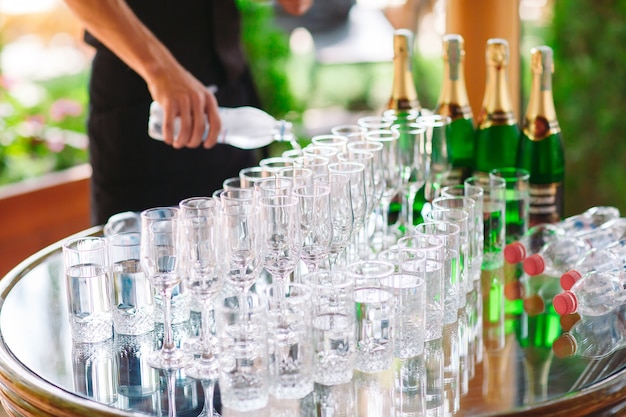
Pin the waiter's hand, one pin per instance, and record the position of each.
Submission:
(296, 7)
(181, 95)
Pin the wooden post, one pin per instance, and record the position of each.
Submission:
(477, 21)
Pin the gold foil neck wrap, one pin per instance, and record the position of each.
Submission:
(538, 128)
(403, 93)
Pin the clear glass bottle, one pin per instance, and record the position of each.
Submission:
(497, 133)
(454, 103)
(540, 149)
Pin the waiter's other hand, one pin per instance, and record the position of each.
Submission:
(182, 95)
(296, 7)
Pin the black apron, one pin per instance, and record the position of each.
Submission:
(133, 172)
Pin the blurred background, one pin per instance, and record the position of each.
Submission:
(326, 68)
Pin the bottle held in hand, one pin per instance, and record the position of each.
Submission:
(242, 127)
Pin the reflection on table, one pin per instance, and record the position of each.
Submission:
(516, 371)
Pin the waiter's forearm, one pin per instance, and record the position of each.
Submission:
(114, 24)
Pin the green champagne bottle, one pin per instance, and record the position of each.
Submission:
(453, 102)
(497, 134)
(404, 107)
(540, 148)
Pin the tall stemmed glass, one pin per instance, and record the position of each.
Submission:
(279, 233)
(342, 217)
(240, 238)
(200, 242)
(356, 173)
(316, 224)
(437, 159)
(413, 164)
(392, 174)
(160, 259)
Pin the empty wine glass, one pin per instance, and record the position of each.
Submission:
(316, 224)
(342, 217)
(392, 174)
(413, 164)
(240, 238)
(353, 132)
(279, 233)
(334, 141)
(436, 148)
(201, 250)
(160, 259)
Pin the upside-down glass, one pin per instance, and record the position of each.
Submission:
(160, 259)
(200, 231)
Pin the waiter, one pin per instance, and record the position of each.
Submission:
(168, 52)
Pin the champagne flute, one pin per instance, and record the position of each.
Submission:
(437, 156)
(413, 165)
(200, 241)
(279, 233)
(342, 217)
(240, 237)
(316, 224)
(160, 259)
(392, 174)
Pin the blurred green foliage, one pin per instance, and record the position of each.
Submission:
(44, 133)
(589, 42)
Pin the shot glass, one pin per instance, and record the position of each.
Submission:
(334, 331)
(409, 312)
(374, 305)
(133, 297)
(432, 271)
(242, 334)
(289, 341)
(89, 289)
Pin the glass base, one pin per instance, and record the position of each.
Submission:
(203, 369)
(169, 359)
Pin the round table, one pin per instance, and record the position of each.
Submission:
(42, 373)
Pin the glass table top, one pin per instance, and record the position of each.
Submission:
(519, 372)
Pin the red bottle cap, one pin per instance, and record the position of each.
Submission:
(534, 265)
(514, 252)
(569, 278)
(565, 303)
(564, 346)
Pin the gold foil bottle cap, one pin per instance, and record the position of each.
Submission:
(497, 52)
(541, 60)
(453, 47)
(402, 42)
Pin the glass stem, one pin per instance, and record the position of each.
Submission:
(171, 392)
(207, 350)
(168, 337)
(410, 201)
(208, 385)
